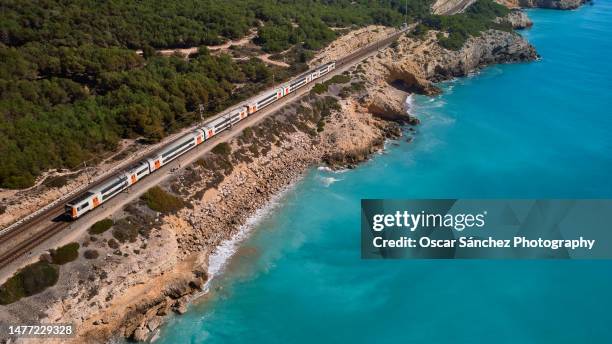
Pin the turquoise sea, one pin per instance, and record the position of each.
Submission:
(535, 130)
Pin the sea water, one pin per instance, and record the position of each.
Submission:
(529, 130)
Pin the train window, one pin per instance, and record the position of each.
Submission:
(222, 125)
(112, 186)
(82, 206)
(266, 99)
(176, 148)
(298, 81)
(266, 103)
(111, 194)
(139, 173)
(180, 151)
(81, 198)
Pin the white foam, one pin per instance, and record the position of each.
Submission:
(409, 103)
(218, 260)
(331, 170)
(327, 181)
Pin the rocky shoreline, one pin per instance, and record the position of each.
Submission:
(129, 295)
(352, 133)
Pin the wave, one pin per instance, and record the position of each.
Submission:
(327, 181)
(331, 170)
(409, 103)
(219, 258)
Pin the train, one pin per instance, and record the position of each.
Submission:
(94, 197)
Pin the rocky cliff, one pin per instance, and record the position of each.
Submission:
(518, 19)
(414, 64)
(449, 7)
(131, 288)
(553, 4)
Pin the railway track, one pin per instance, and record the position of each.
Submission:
(26, 246)
(54, 213)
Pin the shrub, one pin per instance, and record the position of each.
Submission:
(65, 254)
(159, 200)
(91, 254)
(56, 182)
(478, 17)
(222, 149)
(100, 226)
(338, 79)
(357, 86)
(247, 132)
(319, 88)
(30, 280)
(125, 231)
(112, 243)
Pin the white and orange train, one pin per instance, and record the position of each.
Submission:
(100, 194)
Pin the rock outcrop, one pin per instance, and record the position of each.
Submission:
(518, 19)
(552, 4)
(413, 64)
(449, 7)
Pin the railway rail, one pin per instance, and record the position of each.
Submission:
(55, 211)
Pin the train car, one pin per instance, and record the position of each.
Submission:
(175, 149)
(137, 172)
(111, 188)
(265, 100)
(225, 121)
(96, 196)
(82, 204)
(326, 68)
(298, 82)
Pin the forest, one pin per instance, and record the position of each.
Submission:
(72, 85)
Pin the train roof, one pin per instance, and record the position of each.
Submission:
(109, 182)
(80, 199)
(267, 94)
(137, 165)
(222, 117)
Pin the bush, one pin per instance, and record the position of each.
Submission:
(338, 79)
(56, 182)
(100, 226)
(91, 254)
(159, 200)
(30, 280)
(125, 231)
(65, 254)
(247, 132)
(319, 88)
(478, 17)
(222, 148)
(112, 243)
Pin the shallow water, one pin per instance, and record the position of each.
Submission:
(531, 130)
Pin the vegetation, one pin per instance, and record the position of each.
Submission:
(112, 243)
(125, 231)
(91, 254)
(222, 148)
(72, 84)
(65, 254)
(100, 226)
(477, 18)
(159, 200)
(30, 280)
(319, 88)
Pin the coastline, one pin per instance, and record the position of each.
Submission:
(333, 147)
